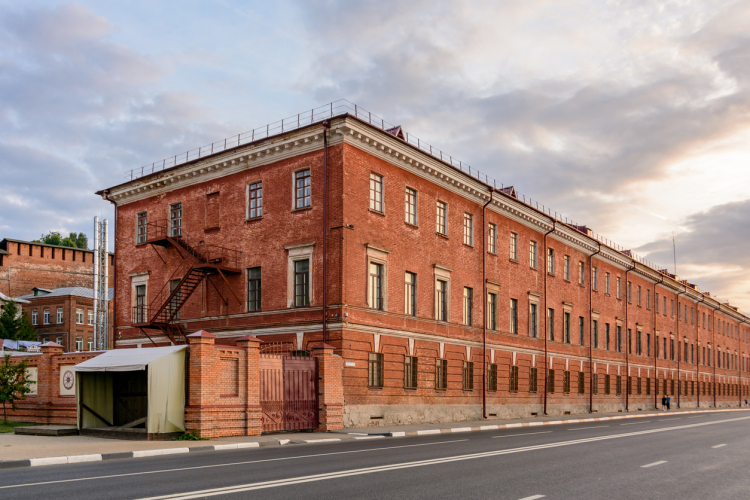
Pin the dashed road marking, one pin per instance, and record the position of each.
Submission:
(587, 428)
(653, 464)
(719, 445)
(524, 434)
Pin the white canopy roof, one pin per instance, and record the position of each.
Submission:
(126, 360)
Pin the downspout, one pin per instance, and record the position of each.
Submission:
(656, 344)
(679, 346)
(325, 227)
(697, 364)
(114, 264)
(740, 361)
(627, 335)
(713, 356)
(546, 313)
(484, 308)
(591, 330)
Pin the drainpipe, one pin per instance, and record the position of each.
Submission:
(325, 227)
(656, 343)
(697, 364)
(740, 361)
(713, 356)
(679, 348)
(484, 309)
(546, 314)
(114, 264)
(591, 331)
(627, 349)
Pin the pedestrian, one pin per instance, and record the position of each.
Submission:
(669, 401)
(746, 402)
(663, 403)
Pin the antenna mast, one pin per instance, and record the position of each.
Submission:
(674, 254)
(101, 285)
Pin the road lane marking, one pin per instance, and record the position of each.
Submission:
(534, 497)
(719, 445)
(587, 428)
(420, 463)
(636, 423)
(227, 465)
(524, 434)
(655, 463)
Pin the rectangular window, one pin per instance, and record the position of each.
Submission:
(580, 330)
(255, 200)
(141, 230)
(551, 381)
(566, 327)
(91, 317)
(376, 192)
(302, 189)
(648, 344)
(513, 379)
(532, 254)
(513, 246)
(302, 283)
(468, 305)
(253, 289)
(595, 279)
(618, 338)
(648, 299)
(638, 350)
(567, 267)
(441, 300)
(606, 283)
(551, 261)
(595, 327)
(533, 320)
(468, 376)
(492, 311)
(618, 385)
(59, 315)
(90, 345)
(34, 317)
(140, 304)
(606, 384)
(79, 316)
(375, 369)
(79, 343)
(410, 294)
(581, 273)
(630, 292)
(566, 382)
(213, 210)
(174, 304)
(619, 282)
(411, 372)
(375, 298)
(468, 229)
(639, 295)
(441, 374)
(551, 323)
(581, 383)
(648, 386)
(442, 214)
(665, 309)
(491, 238)
(513, 316)
(671, 349)
(638, 381)
(595, 383)
(671, 308)
(492, 377)
(532, 379)
(656, 302)
(410, 208)
(175, 219)
(606, 336)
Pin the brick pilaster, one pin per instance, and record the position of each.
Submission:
(330, 388)
(47, 387)
(253, 415)
(201, 373)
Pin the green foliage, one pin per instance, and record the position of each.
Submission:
(9, 426)
(13, 325)
(75, 240)
(13, 384)
(191, 436)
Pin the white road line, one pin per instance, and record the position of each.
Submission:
(227, 465)
(533, 497)
(719, 445)
(524, 434)
(587, 428)
(421, 463)
(634, 423)
(655, 463)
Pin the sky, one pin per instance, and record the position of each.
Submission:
(632, 117)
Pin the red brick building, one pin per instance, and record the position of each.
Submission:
(433, 279)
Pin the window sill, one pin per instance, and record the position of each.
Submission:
(410, 225)
(142, 244)
(551, 274)
(442, 235)
(515, 261)
(492, 253)
(410, 388)
(470, 246)
(303, 209)
(211, 229)
(254, 219)
(376, 212)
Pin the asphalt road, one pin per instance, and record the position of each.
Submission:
(700, 456)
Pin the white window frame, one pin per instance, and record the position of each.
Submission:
(492, 238)
(45, 316)
(34, 317)
(377, 255)
(533, 329)
(514, 246)
(377, 189)
(79, 316)
(137, 279)
(442, 273)
(60, 316)
(411, 218)
(581, 273)
(567, 268)
(247, 201)
(533, 254)
(443, 231)
(300, 251)
(91, 316)
(607, 282)
(468, 229)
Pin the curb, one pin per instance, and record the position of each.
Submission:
(76, 459)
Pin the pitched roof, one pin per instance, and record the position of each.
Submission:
(5, 298)
(75, 291)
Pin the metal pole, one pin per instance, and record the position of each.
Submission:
(591, 331)
(546, 313)
(484, 308)
(96, 276)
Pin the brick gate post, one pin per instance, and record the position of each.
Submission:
(199, 411)
(330, 388)
(46, 377)
(253, 415)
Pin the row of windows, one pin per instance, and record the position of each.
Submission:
(59, 318)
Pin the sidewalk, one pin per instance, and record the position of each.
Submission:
(24, 451)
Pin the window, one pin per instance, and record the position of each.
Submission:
(492, 377)
(441, 374)
(532, 254)
(442, 214)
(492, 311)
(671, 349)
(141, 228)
(639, 295)
(648, 299)
(551, 261)
(468, 376)
(302, 189)
(90, 344)
(532, 380)
(175, 219)
(79, 316)
(468, 305)
(410, 209)
(551, 381)
(79, 343)
(513, 379)
(671, 307)
(638, 350)
(59, 340)
(648, 386)
(513, 246)
(581, 383)
(410, 294)
(595, 383)
(566, 382)
(606, 336)
(551, 323)
(567, 267)
(411, 372)
(375, 298)
(630, 292)
(619, 281)
(533, 321)
(618, 339)
(595, 327)
(580, 330)
(468, 229)
(376, 192)
(255, 200)
(665, 309)
(513, 316)
(606, 283)
(595, 279)
(34, 317)
(618, 385)
(638, 387)
(174, 304)
(491, 238)
(59, 315)
(140, 304)
(656, 302)
(375, 369)
(606, 384)
(253, 289)
(91, 316)
(213, 210)
(441, 300)
(302, 283)
(581, 273)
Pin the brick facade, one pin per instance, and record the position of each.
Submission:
(358, 235)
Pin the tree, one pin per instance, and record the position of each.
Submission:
(13, 384)
(14, 325)
(74, 240)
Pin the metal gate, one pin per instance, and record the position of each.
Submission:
(288, 392)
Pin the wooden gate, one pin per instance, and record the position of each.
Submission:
(288, 392)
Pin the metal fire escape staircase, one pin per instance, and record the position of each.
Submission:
(198, 264)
